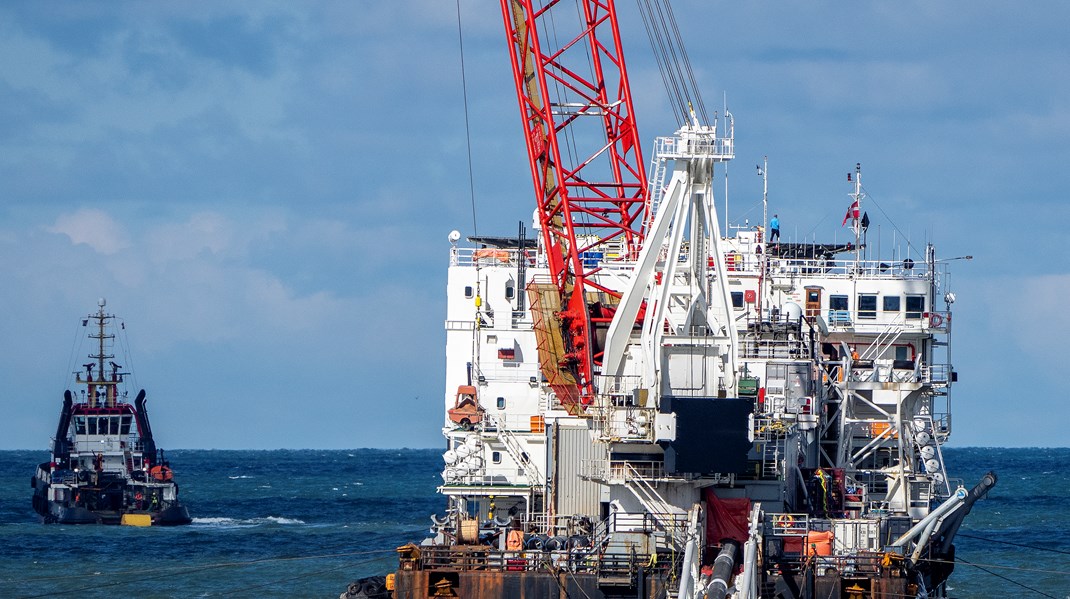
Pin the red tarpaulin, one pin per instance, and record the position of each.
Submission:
(726, 518)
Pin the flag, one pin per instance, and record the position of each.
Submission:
(852, 212)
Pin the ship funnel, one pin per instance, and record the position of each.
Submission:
(149, 451)
(60, 445)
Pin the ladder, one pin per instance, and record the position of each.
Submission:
(515, 451)
(664, 514)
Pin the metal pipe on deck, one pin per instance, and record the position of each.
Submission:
(923, 540)
(944, 508)
(722, 570)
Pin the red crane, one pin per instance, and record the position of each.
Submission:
(587, 170)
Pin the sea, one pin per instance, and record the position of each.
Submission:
(306, 523)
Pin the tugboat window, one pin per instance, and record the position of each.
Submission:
(92, 426)
(891, 303)
(79, 425)
(915, 306)
(114, 425)
(125, 430)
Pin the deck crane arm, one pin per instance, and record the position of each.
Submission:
(588, 174)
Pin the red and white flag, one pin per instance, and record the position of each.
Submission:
(852, 212)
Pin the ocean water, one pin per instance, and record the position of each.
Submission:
(265, 524)
(306, 523)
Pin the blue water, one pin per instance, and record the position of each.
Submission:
(306, 523)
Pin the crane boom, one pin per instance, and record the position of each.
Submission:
(587, 169)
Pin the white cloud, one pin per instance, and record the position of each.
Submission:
(94, 228)
(211, 232)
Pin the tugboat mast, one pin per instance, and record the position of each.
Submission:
(109, 386)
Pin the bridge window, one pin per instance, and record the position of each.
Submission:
(125, 426)
(79, 425)
(891, 303)
(867, 305)
(915, 306)
(92, 426)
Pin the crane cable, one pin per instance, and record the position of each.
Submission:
(668, 76)
(467, 127)
(673, 60)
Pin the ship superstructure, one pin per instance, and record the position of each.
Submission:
(639, 405)
(105, 467)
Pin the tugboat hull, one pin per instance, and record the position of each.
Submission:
(58, 512)
(175, 515)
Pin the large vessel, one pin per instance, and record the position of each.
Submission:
(105, 467)
(640, 403)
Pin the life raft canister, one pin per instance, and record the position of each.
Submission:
(514, 541)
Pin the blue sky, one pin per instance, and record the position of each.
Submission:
(263, 191)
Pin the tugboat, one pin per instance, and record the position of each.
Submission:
(105, 466)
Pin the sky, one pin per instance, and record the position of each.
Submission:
(263, 192)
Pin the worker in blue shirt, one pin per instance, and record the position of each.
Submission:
(774, 229)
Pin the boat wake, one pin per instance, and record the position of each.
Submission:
(246, 522)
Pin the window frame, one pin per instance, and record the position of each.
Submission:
(915, 314)
(867, 312)
(889, 299)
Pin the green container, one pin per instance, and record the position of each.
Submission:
(748, 386)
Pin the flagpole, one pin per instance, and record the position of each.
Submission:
(764, 260)
(856, 210)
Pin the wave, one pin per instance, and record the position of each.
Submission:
(240, 476)
(236, 522)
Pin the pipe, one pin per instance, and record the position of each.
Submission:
(950, 528)
(722, 569)
(686, 586)
(923, 540)
(952, 503)
(750, 565)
